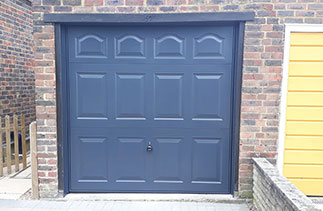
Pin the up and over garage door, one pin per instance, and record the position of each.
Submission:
(150, 108)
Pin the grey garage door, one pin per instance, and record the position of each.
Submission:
(150, 108)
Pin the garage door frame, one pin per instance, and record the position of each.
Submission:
(62, 21)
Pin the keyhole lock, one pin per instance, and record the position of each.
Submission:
(149, 147)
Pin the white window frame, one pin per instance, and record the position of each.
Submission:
(289, 28)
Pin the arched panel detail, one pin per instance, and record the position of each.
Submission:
(130, 47)
(169, 47)
(209, 46)
(91, 46)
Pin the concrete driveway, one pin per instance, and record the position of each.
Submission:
(41, 205)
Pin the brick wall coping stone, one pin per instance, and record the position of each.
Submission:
(280, 188)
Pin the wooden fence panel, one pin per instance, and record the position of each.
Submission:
(8, 145)
(6, 158)
(34, 163)
(23, 142)
(16, 143)
(1, 152)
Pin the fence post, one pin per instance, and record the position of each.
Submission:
(1, 152)
(34, 166)
(8, 145)
(16, 143)
(23, 142)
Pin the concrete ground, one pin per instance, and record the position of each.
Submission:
(129, 202)
(318, 201)
(40, 205)
(216, 198)
(13, 186)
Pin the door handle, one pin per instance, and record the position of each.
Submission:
(149, 147)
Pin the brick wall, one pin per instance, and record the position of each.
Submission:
(17, 88)
(271, 191)
(261, 73)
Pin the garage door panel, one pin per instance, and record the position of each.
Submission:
(168, 169)
(91, 46)
(207, 95)
(209, 46)
(130, 96)
(206, 160)
(165, 87)
(91, 95)
(130, 46)
(89, 160)
(130, 168)
(168, 96)
(170, 46)
(93, 160)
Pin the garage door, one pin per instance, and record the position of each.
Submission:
(303, 154)
(150, 108)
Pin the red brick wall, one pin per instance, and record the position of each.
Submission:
(17, 86)
(261, 72)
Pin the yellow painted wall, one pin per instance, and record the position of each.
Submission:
(303, 152)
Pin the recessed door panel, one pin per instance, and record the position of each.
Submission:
(209, 46)
(91, 46)
(130, 96)
(168, 96)
(130, 46)
(168, 160)
(130, 160)
(92, 154)
(89, 158)
(207, 160)
(206, 96)
(91, 96)
(169, 46)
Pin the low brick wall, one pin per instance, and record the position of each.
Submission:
(272, 191)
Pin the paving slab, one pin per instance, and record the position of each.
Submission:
(16, 184)
(11, 188)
